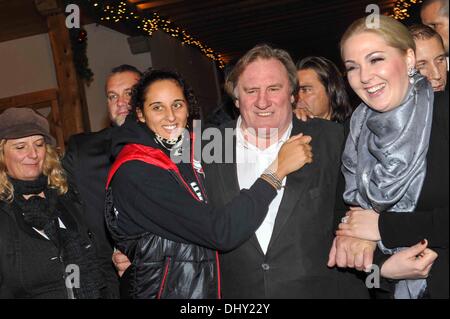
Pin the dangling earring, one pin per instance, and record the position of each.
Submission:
(411, 72)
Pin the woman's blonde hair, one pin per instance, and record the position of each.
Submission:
(393, 32)
(52, 169)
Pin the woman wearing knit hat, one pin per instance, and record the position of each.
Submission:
(45, 249)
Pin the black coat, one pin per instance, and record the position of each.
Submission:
(295, 265)
(30, 265)
(87, 162)
(430, 219)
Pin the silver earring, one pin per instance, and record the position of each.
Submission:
(411, 72)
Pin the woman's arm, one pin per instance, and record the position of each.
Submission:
(432, 225)
(148, 199)
(367, 224)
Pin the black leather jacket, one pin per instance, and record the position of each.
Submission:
(164, 269)
(161, 268)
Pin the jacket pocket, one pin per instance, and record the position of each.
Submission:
(164, 278)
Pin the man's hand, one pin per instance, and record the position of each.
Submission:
(121, 262)
(411, 263)
(351, 252)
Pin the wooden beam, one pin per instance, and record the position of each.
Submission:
(28, 99)
(156, 4)
(47, 7)
(66, 74)
(18, 19)
(69, 89)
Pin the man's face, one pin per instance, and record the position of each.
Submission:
(118, 94)
(431, 16)
(264, 97)
(312, 95)
(431, 62)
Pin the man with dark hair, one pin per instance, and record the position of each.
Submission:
(87, 163)
(322, 90)
(434, 13)
(430, 55)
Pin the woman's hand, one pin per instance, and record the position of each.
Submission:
(121, 262)
(293, 155)
(411, 263)
(303, 114)
(351, 252)
(360, 223)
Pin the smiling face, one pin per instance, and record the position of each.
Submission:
(24, 157)
(165, 109)
(312, 95)
(264, 97)
(431, 61)
(376, 71)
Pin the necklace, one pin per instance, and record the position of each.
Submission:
(169, 144)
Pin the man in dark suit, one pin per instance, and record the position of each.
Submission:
(87, 162)
(287, 256)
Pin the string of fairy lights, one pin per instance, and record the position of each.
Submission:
(121, 11)
(401, 7)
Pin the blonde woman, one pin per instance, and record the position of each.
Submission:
(395, 162)
(45, 249)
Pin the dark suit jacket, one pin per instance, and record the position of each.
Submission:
(295, 263)
(87, 162)
(430, 219)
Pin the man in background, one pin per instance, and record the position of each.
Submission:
(322, 91)
(434, 13)
(431, 61)
(87, 163)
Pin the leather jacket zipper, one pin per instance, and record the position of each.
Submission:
(163, 282)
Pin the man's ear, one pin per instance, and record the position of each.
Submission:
(235, 97)
(236, 103)
(140, 116)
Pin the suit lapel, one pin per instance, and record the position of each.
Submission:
(227, 171)
(229, 178)
(297, 184)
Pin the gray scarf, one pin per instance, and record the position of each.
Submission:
(384, 161)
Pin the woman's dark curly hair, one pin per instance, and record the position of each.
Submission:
(151, 76)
